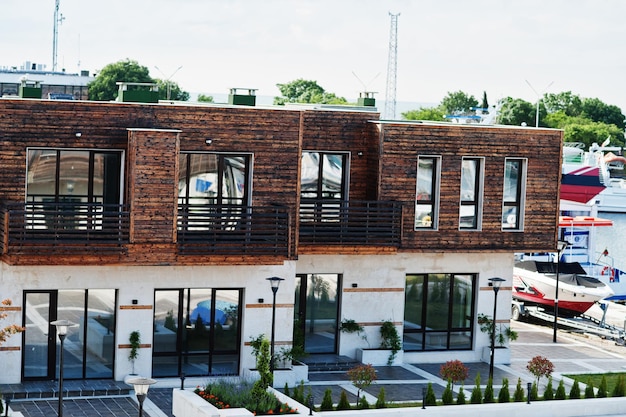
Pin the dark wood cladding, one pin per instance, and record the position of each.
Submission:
(383, 159)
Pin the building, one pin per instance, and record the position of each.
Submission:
(53, 84)
(169, 218)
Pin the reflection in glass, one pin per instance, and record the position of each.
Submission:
(71, 306)
(37, 319)
(321, 312)
(100, 333)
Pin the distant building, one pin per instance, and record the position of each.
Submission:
(55, 85)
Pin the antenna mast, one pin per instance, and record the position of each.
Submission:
(392, 66)
(57, 19)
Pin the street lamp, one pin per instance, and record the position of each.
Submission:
(61, 326)
(275, 283)
(538, 99)
(495, 283)
(560, 247)
(141, 386)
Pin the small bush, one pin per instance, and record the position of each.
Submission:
(489, 396)
(380, 400)
(602, 389)
(534, 392)
(589, 389)
(363, 404)
(460, 399)
(548, 394)
(519, 394)
(560, 391)
(286, 390)
(504, 396)
(618, 390)
(540, 366)
(574, 393)
(327, 401)
(343, 404)
(454, 371)
(477, 394)
(430, 395)
(447, 398)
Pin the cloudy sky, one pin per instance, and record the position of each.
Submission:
(443, 45)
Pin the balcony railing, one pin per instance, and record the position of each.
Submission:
(46, 227)
(234, 230)
(329, 222)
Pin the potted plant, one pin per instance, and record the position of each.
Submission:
(502, 335)
(134, 340)
(390, 346)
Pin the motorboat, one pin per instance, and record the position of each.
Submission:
(535, 283)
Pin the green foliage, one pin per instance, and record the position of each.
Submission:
(327, 401)
(286, 390)
(298, 393)
(540, 366)
(620, 387)
(134, 339)
(602, 389)
(504, 396)
(503, 333)
(447, 398)
(362, 377)
(226, 394)
(519, 394)
(574, 393)
(171, 88)
(343, 404)
(203, 98)
(306, 91)
(516, 112)
(454, 371)
(560, 391)
(390, 339)
(477, 394)
(460, 399)
(589, 389)
(104, 86)
(380, 399)
(489, 397)
(458, 103)
(261, 348)
(568, 103)
(363, 404)
(430, 398)
(598, 111)
(534, 392)
(548, 393)
(436, 114)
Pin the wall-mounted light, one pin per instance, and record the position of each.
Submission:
(261, 301)
(208, 141)
(354, 285)
(360, 153)
(78, 134)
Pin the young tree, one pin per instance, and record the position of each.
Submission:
(104, 87)
(11, 329)
(362, 377)
(458, 103)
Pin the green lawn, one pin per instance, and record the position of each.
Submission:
(611, 379)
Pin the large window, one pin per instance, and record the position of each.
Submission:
(513, 194)
(439, 312)
(471, 193)
(426, 200)
(324, 175)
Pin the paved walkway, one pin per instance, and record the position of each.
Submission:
(571, 354)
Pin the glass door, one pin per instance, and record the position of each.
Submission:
(39, 338)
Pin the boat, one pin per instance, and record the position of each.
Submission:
(586, 176)
(535, 282)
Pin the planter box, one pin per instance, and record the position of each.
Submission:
(502, 355)
(299, 372)
(189, 404)
(378, 357)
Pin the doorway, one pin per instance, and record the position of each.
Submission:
(316, 312)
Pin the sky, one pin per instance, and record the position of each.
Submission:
(505, 48)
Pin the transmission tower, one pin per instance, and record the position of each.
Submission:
(55, 36)
(392, 66)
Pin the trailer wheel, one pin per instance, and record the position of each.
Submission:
(515, 312)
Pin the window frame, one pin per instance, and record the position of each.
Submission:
(345, 176)
(477, 201)
(518, 204)
(424, 223)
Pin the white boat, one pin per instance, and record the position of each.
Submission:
(535, 282)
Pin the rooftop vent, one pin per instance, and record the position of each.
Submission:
(240, 99)
(138, 92)
(366, 99)
(29, 88)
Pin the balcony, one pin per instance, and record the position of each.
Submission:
(234, 230)
(62, 228)
(369, 223)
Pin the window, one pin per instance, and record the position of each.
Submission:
(471, 193)
(324, 175)
(513, 194)
(71, 189)
(426, 200)
(439, 312)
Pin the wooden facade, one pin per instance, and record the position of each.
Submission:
(383, 157)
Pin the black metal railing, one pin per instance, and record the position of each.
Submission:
(53, 226)
(331, 222)
(234, 230)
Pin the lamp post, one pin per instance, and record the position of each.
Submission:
(275, 283)
(495, 283)
(61, 327)
(538, 99)
(560, 247)
(141, 386)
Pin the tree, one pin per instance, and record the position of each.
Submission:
(172, 89)
(202, 98)
(599, 111)
(104, 88)
(458, 103)
(569, 103)
(11, 329)
(425, 113)
(306, 91)
(485, 104)
(516, 112)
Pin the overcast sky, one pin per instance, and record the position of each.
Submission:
(443, 45)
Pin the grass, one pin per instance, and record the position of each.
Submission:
(611, 379)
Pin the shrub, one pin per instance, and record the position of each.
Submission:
(447, 398)
(574, 393)
(602, 389)
(489, 395)
(223, 394)
(363, 404)
(534, 392)
(298, 393)
(548, 394)
(618, 390)
(454, 371)
(343, 402)
(589, 389)
(518, 395)
(327, 401)
(460, 399)
(504, 396)
(390, 339)
(477, 394)
(540, 366)
(380, 400)
(430, 395)
(560, 391)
